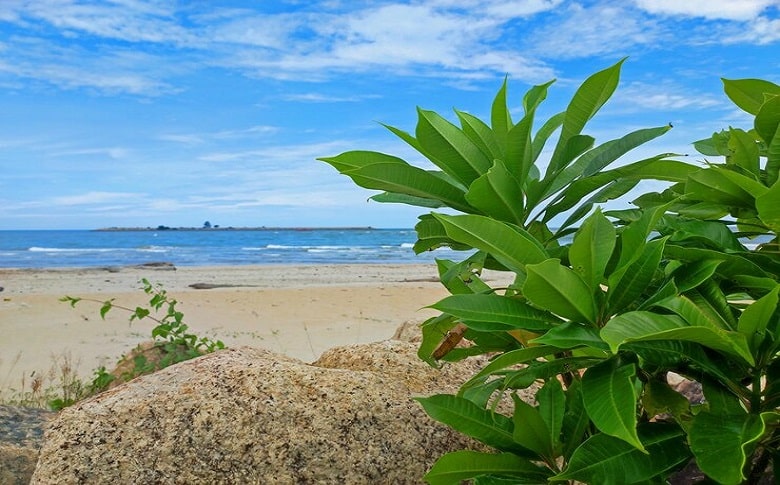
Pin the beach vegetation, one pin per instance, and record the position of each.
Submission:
(172, 341)
(605, 305)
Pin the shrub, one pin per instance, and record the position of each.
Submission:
(600, 319)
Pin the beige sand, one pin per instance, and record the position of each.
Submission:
(300, 311)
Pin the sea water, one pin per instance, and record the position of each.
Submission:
(83, 248)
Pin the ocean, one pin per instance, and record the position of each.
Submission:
(84, 248)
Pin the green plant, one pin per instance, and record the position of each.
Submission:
(172, 341)
(596, 322)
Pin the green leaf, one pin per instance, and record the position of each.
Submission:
(450, 148)
(510, 359)
(391, 198)
(638, 326)
(754, 319)
(585, 103)
(433, 331)
(768, 206)
(610, 400)
(552, 408)
(509, 245)
(570, 335)
(431, 235)
(693, 314)
(519, 149)
(592, 248)
(464, 416)
(360, 158)
(498, 194)
(723, 186)
(719, 443)
(409, 180)
(606, 460)
(481, 134)
(500, 312)
(544, 134)
(631, 280)
(659, 398)
(744, 151)
(462, 278)
(691, 275)
(558, 289)
(106, 307)
(500, 119)
(531, 431)
(749, 94)
(456, 466)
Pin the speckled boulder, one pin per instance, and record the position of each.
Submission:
(246, 416)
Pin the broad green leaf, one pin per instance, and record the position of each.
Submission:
(462, 277)
(592, 248)
(409, 180)
(500, 118)
(720, 399)
(544, 370)
(723, 186)
(534, 97)
(501, 312)
(552, 408)
(749, 94)
(638, 326)
(575, 146)
(605, 460)
(631, 280)
(693, 274)
(575, 420)
(360, 158)
(498, 194)
(531, 431)
(754, 319)
(693, 314)
(611, 191)
(509, 359)
(464, 416)
(545, 132)
(481, 135)
(711, 234)
(519, 149)
(457, 466)
(593, 161)
(719, 443)
(390, 198)
(768, 206)
(587, 100)
(610, 400)
(711, 299)
(733, 264)
(433, 331)
(558, 289)
(431, 235)
(450, 149)
(773, 158)
(680, 355)
(405, 136)
(509, 245)
(768, 119)
(659, 398)
(656, 168)
(744, 151)
(571, 335)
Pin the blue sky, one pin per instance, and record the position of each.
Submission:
(149, 112)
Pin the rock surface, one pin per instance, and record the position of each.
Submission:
(21, 433)
(251, 416)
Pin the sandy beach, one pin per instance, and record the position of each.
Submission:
(300, 311)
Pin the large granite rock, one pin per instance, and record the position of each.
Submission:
(251, 416)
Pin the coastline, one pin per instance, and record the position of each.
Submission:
(299, 311)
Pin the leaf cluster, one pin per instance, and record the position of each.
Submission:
(604, 305)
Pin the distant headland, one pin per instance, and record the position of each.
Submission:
(231, 228)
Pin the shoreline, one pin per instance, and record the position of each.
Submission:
(299, 311)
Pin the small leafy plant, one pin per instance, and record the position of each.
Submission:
(172, 341)
(604, 305)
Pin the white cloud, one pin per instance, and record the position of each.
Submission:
(598, 30)
(760, 31)
(663, 96)
(96, 197)
(710, 9)
(325, 98)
